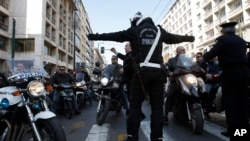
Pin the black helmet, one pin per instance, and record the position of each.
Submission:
(137, 16)
(97, 64)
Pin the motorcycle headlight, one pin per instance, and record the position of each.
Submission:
(104, 81)
(192, 80)
(36, 88)
(116, 85)
(4, 103)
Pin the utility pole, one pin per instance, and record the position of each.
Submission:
(74, 24)
(13, 43)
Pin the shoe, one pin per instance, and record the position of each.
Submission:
(226, 134)
(127, 111)
(166, 120)
(77, 112)
(207, 115)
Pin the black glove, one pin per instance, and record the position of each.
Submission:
(93, 36)
(189, 38)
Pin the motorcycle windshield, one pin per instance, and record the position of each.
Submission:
(24, 69)
(185, 62)
(108, 71)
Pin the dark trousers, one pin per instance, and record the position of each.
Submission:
(57, 101)
(235, 95)
(171, 92)
(153, 80)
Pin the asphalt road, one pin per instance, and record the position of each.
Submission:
(83, 127)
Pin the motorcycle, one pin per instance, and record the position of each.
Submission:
(23, 108)
(81, 95)
(66, 93)
(187, 104)
(109, 96)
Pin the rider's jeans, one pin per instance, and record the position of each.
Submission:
(124, 97)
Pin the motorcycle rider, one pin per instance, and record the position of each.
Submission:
(172, 65)
(117, 73)
(212, 81)
(82, 74)
(60, 78)
(149, 74)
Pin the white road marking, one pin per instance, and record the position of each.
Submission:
(101, 133)
(145, 127)
(208, 127)
(215, 130)
(98, 133)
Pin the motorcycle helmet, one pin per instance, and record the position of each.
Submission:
(97, 64)
(137, 16)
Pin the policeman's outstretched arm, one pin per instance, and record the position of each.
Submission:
(119, 36)
(174, 38)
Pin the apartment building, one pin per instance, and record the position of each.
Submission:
(201, 18)
(45, 30)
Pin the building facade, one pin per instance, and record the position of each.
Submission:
(45, 30)
(201, 18)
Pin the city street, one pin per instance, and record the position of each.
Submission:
(83, 127)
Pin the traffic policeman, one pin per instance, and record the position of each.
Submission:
(231, 52)
(146, 41)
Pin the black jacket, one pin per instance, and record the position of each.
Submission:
(127, 62)
(141, 38)
(230, 49)
(59, 78)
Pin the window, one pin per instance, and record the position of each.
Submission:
(24, 45)
(2, 44)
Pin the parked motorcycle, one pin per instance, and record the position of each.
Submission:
(23, 108)
(109, 96)
(187, 104)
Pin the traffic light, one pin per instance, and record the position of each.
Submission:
(102, 50)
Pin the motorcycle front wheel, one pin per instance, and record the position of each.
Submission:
(102, 113)
(197, 120)
(81, 100)
(50, 130)
(68, 109)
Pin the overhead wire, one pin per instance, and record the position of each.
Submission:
(155, 7)
(163, 10)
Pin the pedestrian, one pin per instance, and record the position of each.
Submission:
(3, 80)
(172, 88)
(146, 41)
(127, 70)
(231, 52)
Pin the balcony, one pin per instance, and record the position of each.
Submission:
(206, 2)
(234, 12)
(48, 34)
(4, 4)
(4, 27)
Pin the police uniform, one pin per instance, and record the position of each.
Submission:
(142, 35)
(231, 52)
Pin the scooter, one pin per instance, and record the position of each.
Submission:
(187, 102)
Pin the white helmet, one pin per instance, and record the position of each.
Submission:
(137, 16)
